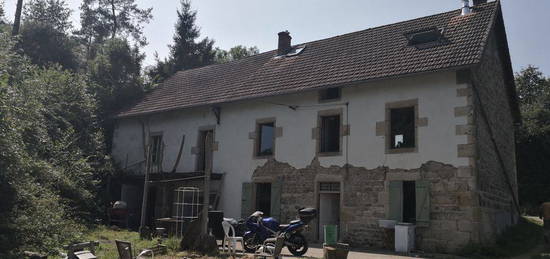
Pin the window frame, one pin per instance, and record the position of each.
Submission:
(325, 100)
(422, 199)
(200, 146)
(156, 153)
(413, 103)
(328, 113)
(257, 138)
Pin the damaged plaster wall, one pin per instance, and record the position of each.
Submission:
(364, 195)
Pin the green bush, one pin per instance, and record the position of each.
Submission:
(515, 240)
(49, 142)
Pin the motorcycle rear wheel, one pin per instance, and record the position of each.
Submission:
(299, 246)
(250, 243)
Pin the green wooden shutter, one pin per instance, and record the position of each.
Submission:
(246, 200)
(276, 188)
(396, 201)
(422, 201)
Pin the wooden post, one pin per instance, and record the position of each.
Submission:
(207, 172)
(145, 190)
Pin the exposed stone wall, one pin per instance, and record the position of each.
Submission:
(364, 195)
(496, 210)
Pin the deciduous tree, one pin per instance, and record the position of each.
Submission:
(45, 45)
(102, 19)
(54, 13)
(235, 53)
(533, 137)
(116, 72)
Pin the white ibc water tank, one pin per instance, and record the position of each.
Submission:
(404, 237)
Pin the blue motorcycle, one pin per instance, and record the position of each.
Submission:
(260, 229)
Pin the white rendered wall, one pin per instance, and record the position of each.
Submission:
(437, 98)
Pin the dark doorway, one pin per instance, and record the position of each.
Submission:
(409, 202)
(151, 201)
(201, 159)
(263, 198)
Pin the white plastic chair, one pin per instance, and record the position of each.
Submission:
(230, 240)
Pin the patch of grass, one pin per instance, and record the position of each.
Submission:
(516, 240)
(107, 236)
(107, 247)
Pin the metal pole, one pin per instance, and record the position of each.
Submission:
(145, 189)
(207, 173)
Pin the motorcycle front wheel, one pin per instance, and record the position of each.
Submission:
(250, 243)
(298, 244)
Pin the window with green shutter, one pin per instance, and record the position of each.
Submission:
(422, 201)
(396, 201)
(276, 189)
(246, 200)
(409, 201)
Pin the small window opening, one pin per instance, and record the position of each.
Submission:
(333, 93)
(156, 150)
(296, 51)
(263, 198)
(402, 132)
(266, 139)
(329, 187)
(201, 166)
(426, 38)
(409, 202)
(330, 134)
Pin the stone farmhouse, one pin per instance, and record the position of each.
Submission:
(413, 121)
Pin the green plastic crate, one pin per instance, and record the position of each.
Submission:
(331, 234)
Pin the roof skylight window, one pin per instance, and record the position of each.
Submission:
(296, 50)
(426, 38)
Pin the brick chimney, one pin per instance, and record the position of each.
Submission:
(284, 43)
(478, 2)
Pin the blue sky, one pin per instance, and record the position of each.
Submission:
(256, 22)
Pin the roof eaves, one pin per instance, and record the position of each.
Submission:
(347, 84)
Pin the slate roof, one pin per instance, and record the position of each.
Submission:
(366, 55)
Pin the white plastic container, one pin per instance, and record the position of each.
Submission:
(387, 223)
(404, 237)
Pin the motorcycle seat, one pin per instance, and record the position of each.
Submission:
(283, 226)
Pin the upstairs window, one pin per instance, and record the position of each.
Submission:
(330, 94)
(402, 128)
(329, 134)
(156, 152)
(206, 139)
(266, 139)
(426, 38)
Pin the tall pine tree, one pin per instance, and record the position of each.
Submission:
(187, 51)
